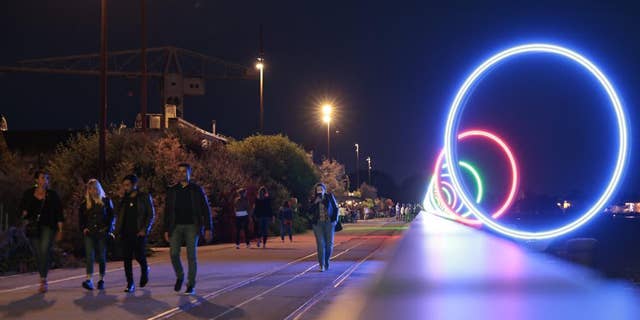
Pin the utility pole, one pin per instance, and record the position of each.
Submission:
(357, 166)
(102, 133)
(369, 165)
(143, 71)
(260, 67)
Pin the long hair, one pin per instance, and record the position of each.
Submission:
(263, 192)
(93, 183)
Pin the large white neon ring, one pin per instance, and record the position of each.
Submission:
(452, 126)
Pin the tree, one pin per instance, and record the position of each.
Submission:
(275, 160)
(154, 158)
(368, 192)
(332, 174)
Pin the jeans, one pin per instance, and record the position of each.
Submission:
(132, 245)
(324, 240)
(42, 249)
(187, 234)
(95, 244)
(263, 231)
(242, 223)
(286, 229)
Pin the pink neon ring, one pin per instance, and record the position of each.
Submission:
(514, 176)
(454, 197)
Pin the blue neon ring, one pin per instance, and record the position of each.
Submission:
(451, 127)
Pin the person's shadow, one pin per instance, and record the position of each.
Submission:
(20, 308)
(207, 310)
(94, 302)
(142, 304)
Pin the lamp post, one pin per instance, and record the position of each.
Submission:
(102, 132)
(357, 165)
(327, 109)
(260, 67)
(369, 168)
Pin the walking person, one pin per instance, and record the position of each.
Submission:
(286, 221)
(96, 220)
(264, 215)
(186, 214)
(135, 217)
(243, 211)
(41, 212)
(324, 214)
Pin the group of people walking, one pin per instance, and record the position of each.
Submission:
(187, 217)
(261, 213)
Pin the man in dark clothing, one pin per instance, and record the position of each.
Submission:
(135, 218)
(186, 214)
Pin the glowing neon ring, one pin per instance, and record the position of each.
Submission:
(452, 126)
(514, 176)
(475, 175)
(430, 196)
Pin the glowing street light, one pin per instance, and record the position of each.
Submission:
(564, 205)
(369, 168)
(260, 67)
(357, 166)
(327, 109)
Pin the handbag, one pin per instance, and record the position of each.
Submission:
(338, 226)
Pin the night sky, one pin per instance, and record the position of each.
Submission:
(391, 68)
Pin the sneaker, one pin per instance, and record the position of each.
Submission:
(131, 287)
(190, 291)
(178, 285)
(258, 244)
(282, 240)
(237, 246)
(44, 287)
(248, 245)
(88, 284)
(321, 269)
(101, 285)
(144, 279)
(326, 267)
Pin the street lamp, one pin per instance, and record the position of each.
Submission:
(102, 132)
(369, 165)
(327, 109)
(357, 166)
(260, 67)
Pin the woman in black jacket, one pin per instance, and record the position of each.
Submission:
(96, 219)
(41, 212)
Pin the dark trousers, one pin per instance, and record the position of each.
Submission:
(263, 230)
(41, 247)
(94, 246)
(242, 224)
(285, 228)
(134, 246)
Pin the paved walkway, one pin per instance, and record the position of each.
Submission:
(444, 270)
(278, 282)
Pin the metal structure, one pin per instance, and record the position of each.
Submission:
(181, 72)
(125, 63)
